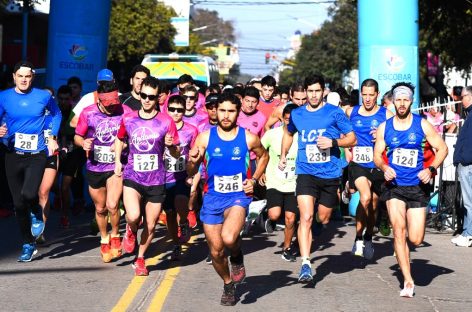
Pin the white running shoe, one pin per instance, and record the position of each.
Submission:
(408, 290)
(462, 241)
(358, 248)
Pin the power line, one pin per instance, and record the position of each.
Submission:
(259, 3)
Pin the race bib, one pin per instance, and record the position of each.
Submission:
(316, 155)
(363, 154)
(103, 154)
(405, 157)
(145, 162)
(175, 164)
(229, 184)
(287, 174)
(47, 133)
(27, 142)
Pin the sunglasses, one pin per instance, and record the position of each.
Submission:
(210, 106)
(189, 97)
(151, 97)
(176, 109)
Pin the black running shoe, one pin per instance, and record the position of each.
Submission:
(288, 255)
(208, 259)
(229, 298)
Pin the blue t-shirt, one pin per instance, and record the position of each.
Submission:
(25, 118)
(405, 151)
(328, 121)
(227, 164)
(363, 152)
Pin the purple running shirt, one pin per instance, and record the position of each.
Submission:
(176, 169)
(146, 141)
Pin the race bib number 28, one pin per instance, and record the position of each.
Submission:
(28, 142)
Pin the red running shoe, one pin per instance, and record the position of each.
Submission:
(115, 246)
(238, 273)
(129, 240)
(139, 267)
(162, 218)
(105, 251)
(192, 219)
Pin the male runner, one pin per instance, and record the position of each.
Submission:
(147, 133)
(267, 103)
(404, 137)
(363, 174)
(281, 184)
(319, 167)
(225, 152)
(132, 99)
(96, 131)
(24, 111)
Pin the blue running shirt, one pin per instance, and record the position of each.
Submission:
(227, 164)
(25, 117)
(329, 121)
(363, 152)
(405, 151)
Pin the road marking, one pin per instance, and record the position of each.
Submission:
(164, 288)
(138, 281)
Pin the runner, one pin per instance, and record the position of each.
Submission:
(225, 151)
(318, 164)
(131, 99)
(147, 132)
(24, 111)
(192, 114)
(363, 175)
(96, 131)
(404, 137)
(267, 103)
(281, 184)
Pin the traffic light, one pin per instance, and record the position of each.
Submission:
(267, 57)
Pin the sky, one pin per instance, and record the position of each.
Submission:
(263, 26)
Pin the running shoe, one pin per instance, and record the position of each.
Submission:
(305, 274)
(238, 273)
(115, 247)
(176, 253)
(64, 222)
(408, 290)
(162, 218)
(269, 226)
(185, 233)
(105, 251)
(29, 250)
(229, 295)
(129, 240)
(208, 259)
(139, 267)
(37, 225)
(384, 228)
(462, 241)
(287, 255)
(192, 219)
(368, 250)
(358, 248)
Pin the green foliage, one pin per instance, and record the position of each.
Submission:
(137, 28)
(445, 28)
(333, 48)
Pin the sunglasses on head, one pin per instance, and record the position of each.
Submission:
(151, 97)
(189, 97)
(176, 109)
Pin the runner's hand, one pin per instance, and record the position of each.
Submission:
(3, 130)
(373, 133)
(118, 169)
(52, 147)
(194, 155)
(282, 163)
(425, 175)
(390, 174)
(262, 180)
(248, 186)
(88, 143)
(324, 142)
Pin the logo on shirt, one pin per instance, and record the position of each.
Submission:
(358, 123)
(255, 124)
(412, 138)
(374, 124)
(217, 152)
(395, 140)
(143, 139)
(106, 131)
(236, 153)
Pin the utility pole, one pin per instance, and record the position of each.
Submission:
(24, 46)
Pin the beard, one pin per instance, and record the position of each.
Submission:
(229, 127)
(405, 114)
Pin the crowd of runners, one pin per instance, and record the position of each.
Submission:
(202, 156)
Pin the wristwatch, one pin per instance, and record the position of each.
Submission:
(432, 169)
(53, 137)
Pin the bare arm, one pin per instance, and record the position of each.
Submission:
(274, 117)
(254, 144)
(287, 141)
(379, 148)
(197, 152)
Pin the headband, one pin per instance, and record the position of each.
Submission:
(109, 98)
(402, 91)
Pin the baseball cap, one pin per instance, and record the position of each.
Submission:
(105, 75)
(212, 98)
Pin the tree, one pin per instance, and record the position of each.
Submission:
(332, 49)
(137, 28)
(212, 27)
